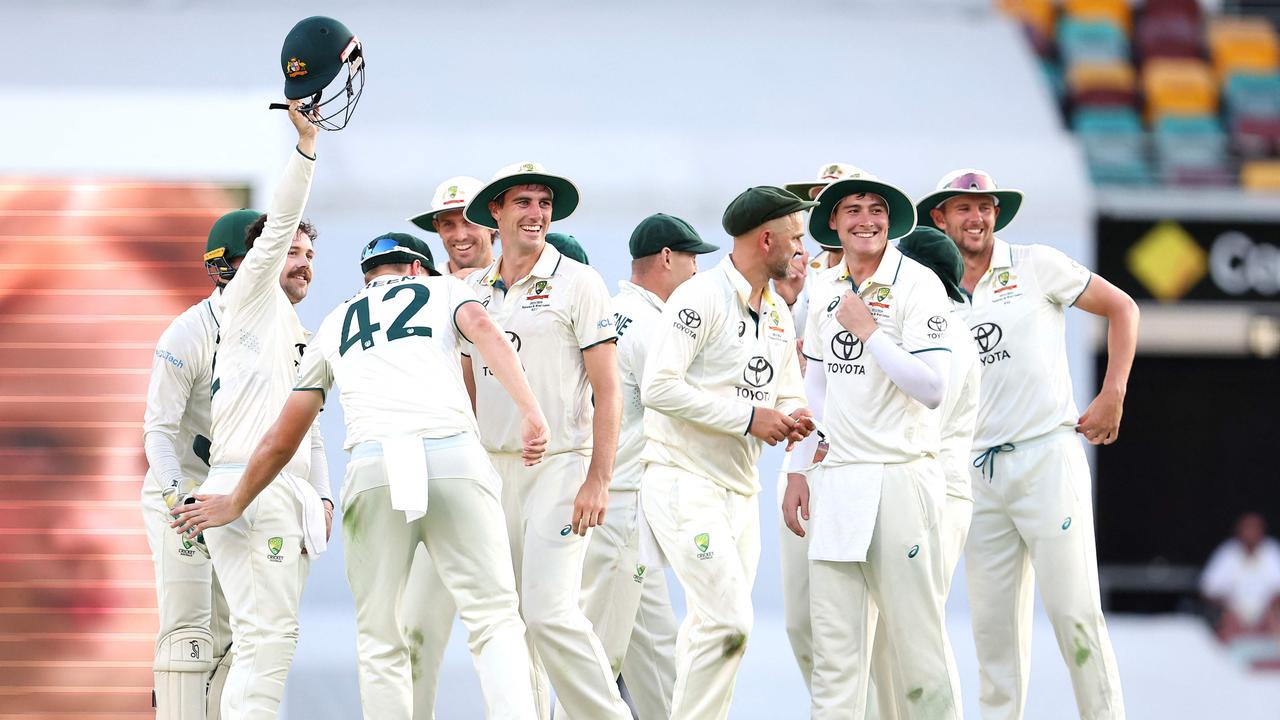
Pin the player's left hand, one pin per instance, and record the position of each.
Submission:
(328, 519)
(589, 505)
(854, 316)
(1100, 423)
(206, 512)
(804, 425)
(534, 435)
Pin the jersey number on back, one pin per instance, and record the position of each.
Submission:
(358, 314)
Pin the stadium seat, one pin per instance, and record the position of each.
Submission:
(1256, 137)
(1114, 145)
(1261, 175)
(1189, 9)
(1086, 40)
(1179, 86)
(1239, 44)
(1190, 142)
(1096, 84)
(1115, 12)
(1167, 36)
(1252, 96)
(1037, 15)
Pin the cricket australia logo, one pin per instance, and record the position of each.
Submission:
(639, 574)
(703, 542)
(274, 546)
(758, 372)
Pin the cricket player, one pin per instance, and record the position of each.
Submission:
(1033, 507)
(259, 558)
(418, 474)
(556, 313)
(427, 608)
(793, 552)
(468, 245)
(624, 595)
(192, 647)
(955, 420)
(720, 378)
(878, 357)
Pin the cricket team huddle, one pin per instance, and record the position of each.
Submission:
(529, 453)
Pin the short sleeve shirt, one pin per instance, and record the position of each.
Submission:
(1018, 322)
(635, 314)
(551, 315)
(868, 418)
(392, 349)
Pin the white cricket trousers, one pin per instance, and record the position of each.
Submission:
(957, 513)
(793, 556)
(259, 561)
(188, 595)
(548, 557)
(901, 581)
(711, 537)
(628, 605)
(1033, 515)
(465, 533)
(426, 614)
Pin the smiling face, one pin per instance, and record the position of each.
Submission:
(861, 221)
(783, 241)
(970, 222)
(467, 244)
(295, 279)
(523, 214)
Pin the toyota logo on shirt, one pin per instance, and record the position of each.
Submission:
(689, 318)
(846, 346)
(937, 323)
(758, 372)
(515, 340)
(987, 336)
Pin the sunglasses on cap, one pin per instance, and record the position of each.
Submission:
(971, 181)
(383, 245)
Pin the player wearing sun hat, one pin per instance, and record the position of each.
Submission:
(1033, 509)
(556, 311)
(469, 246)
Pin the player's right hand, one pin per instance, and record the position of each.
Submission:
(795, 499)
(770, 425)
(307, 131)
(534, 433)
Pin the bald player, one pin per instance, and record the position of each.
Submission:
(192, 646)
(624, 595)
(556, 313)
(418, 474)
(721, 378)
(1033, 507)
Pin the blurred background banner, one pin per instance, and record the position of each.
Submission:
(1146, 136)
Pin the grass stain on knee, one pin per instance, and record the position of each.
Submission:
(734, 644)
(1082, 651)
(351, 523)
(415, 639)
(916, 694)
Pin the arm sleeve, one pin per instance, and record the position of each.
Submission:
(591, 312)
(923, 376)
(261, 267)
(319, 476)
(1061, 279)
(174, 367)
(665, 385)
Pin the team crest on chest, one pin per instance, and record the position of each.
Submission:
(539, 296)
(1004, 285)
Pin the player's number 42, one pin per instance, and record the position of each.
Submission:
(364, 328)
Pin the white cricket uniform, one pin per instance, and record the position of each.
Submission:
(875, 502)
(714, 360)
(614, 577)
(193, 612)
(793, 550)
(551, 316)
(258, 557)
(1033, 507)
(418, 474)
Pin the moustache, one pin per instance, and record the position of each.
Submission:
(304, 274)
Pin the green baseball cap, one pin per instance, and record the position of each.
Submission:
(758, 205)
(568, 246)
(968, 181)
(902, 212)
(933, 249)
(394, 248)
(226, 242)
(564, 194)
(660, 230)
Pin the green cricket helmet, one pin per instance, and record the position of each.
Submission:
(313, 55)
(226, 243)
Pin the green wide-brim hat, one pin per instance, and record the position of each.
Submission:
(902, 212)
(969, 181)
(564, 194)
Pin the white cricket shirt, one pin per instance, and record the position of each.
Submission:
(868, 418)
(712, 362)
(1017, 321)
(551, 315)
(635, 314)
